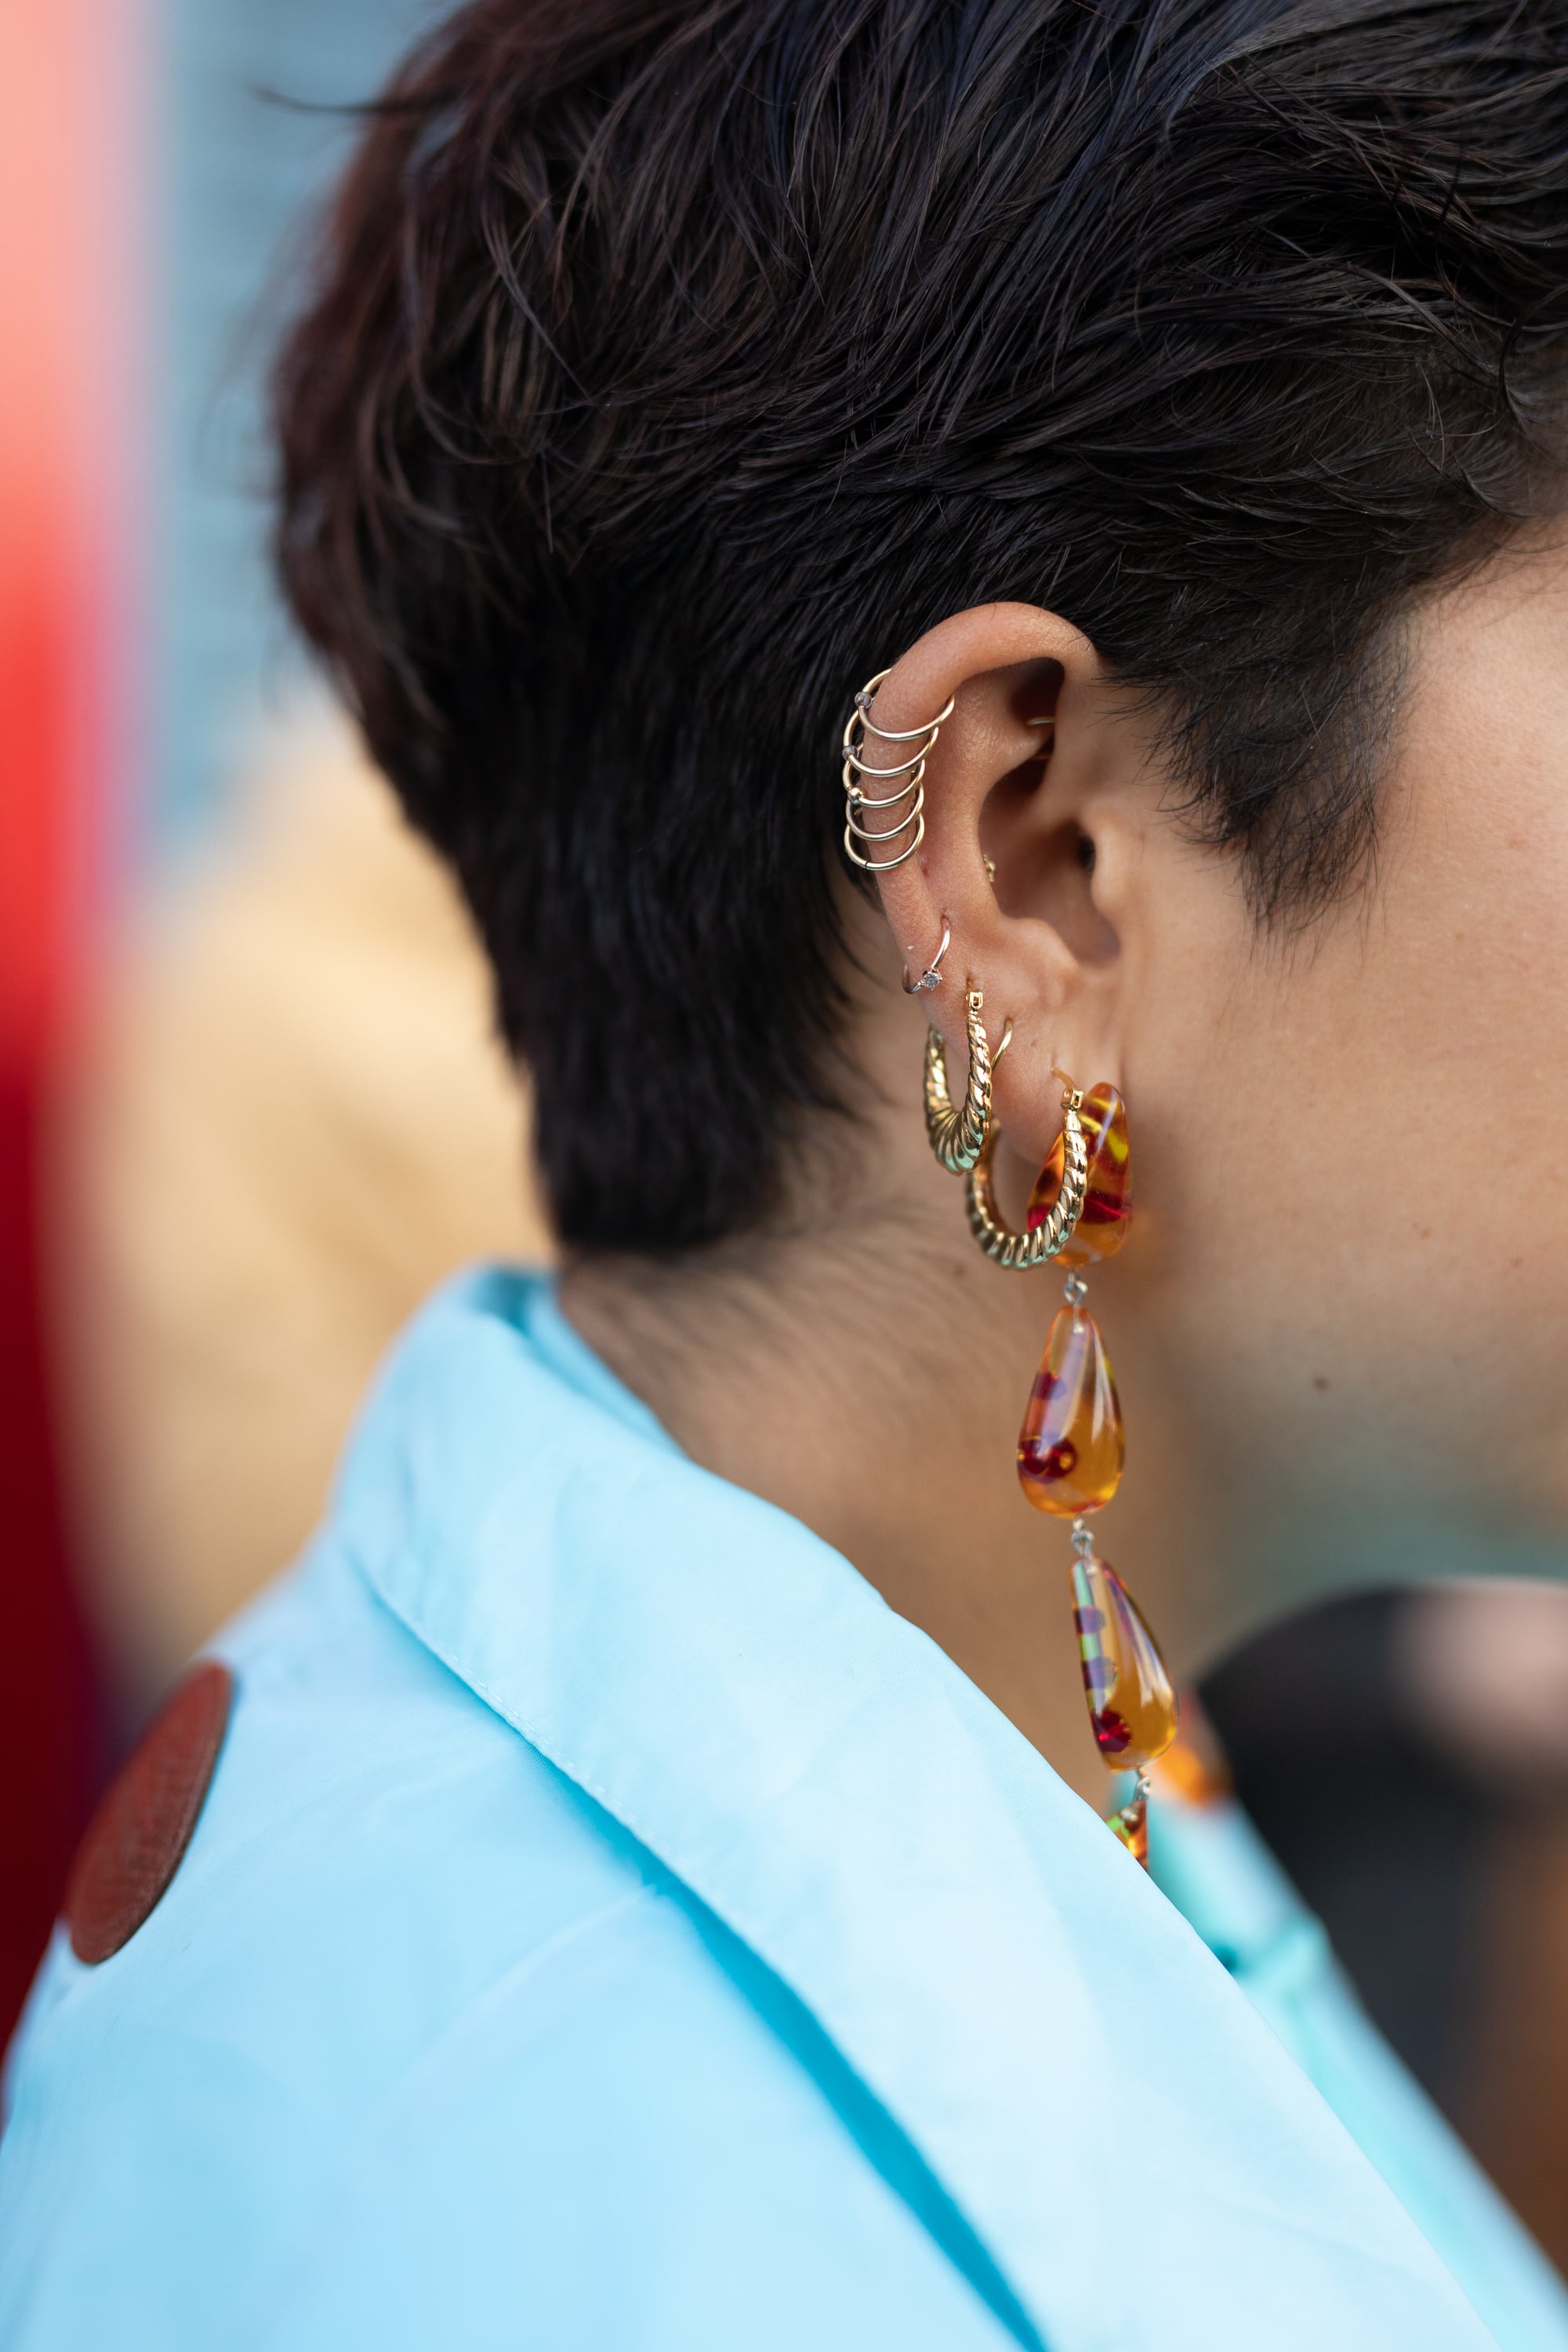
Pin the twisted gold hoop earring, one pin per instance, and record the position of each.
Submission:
(1032, 1247)
(957, 1136)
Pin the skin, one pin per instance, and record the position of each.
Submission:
(1340, 1328)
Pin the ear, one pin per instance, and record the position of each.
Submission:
(1038, 773)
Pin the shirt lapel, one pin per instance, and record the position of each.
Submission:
(1140, 2158)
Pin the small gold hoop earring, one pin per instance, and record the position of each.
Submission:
(932, 976)
(957, 1136)
(1052, 1235)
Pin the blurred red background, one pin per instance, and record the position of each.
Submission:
(72, 253)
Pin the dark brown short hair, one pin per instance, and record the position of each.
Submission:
(672, 366)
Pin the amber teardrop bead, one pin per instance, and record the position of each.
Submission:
(1072, 1446)
(1108, 1193)
(1132, 1699)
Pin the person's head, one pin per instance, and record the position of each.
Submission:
(1191, 372)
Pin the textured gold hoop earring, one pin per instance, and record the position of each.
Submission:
(1052, 1234)
(957, 1136)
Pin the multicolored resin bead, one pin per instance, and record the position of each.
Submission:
(1132, 1699)
(1072, 1444)
(1107, 1197)
(1131, 1823)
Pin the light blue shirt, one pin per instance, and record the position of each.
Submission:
(611, 1929)
(1213, 1865)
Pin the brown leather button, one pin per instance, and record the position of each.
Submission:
(139, 1834)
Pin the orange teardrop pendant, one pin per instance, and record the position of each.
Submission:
(1107, 1196)
(1071, 1446)
(1132, 1699)
(1131, 1823)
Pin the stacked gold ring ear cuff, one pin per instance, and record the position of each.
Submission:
(912, 768)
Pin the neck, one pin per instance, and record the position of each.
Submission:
(868, 1379)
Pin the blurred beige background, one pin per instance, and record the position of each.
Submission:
(288, 1120)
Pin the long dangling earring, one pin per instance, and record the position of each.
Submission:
(1072, 1446)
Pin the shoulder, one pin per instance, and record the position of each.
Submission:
(378, 1861)
(375, 1841)
(414, 2022)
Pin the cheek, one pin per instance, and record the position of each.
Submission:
(1358, 1282)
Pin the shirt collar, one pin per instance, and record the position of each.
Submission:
(1136, 2152)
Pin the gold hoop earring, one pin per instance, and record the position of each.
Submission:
(1043, 1237)
(957, 1137)
(932, 977)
